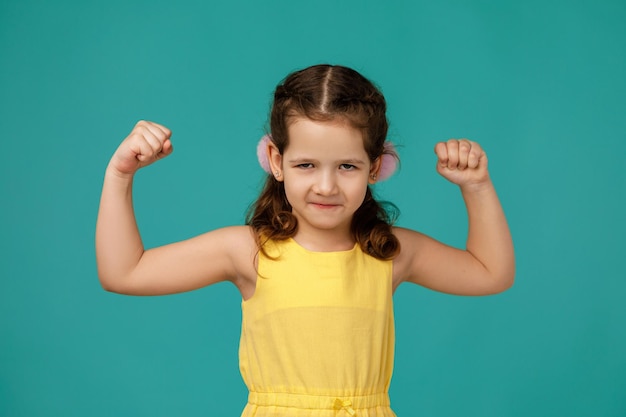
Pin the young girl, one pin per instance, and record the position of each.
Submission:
(318, 261)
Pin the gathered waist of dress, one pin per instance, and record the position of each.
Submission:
(310, 401)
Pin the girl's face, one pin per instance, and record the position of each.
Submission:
(326, 172)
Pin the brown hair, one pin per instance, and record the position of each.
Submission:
(325, 93)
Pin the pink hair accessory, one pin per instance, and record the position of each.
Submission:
(261, 153)
(388, 163)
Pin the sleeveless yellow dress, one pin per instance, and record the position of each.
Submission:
(317, 337)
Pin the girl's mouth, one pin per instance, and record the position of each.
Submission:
(324, 206)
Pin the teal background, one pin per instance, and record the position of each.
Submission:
(540, 84)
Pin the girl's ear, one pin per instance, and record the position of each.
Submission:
(374, 170)
(276, 161)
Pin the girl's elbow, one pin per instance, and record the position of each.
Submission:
(112, 283)
(502, 282)
(109, 285)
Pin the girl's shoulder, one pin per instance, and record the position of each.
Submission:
(232, 246)
(239, 244)
(413, 245)
(229, 238)
(410, 240)
(236, 240)
(243, 234)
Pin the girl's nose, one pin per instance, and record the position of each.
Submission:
(325, 184)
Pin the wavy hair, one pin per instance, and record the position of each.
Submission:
(325, 93)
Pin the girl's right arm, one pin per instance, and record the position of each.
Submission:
(123, 264)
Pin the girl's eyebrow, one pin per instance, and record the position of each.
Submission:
(353, 161)
(340, 161)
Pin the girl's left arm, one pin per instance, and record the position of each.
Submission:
(487, 265)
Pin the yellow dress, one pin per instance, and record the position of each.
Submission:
(317, 337)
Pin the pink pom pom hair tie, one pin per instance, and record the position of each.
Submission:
(261, 153)
(388, 163)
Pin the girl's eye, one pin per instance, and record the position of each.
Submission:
(347, 167)
(304, 166)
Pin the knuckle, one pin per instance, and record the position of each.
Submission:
(135, 136)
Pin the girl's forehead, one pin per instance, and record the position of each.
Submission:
(312, 135)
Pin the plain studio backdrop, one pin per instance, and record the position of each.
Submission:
(540, 84)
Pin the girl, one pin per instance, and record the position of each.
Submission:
(318, 261)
